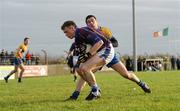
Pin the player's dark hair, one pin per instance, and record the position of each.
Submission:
(26, 38)
(89, 16)
(67, 24)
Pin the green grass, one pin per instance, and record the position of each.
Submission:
(118, 94)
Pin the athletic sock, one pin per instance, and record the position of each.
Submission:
(7, 76)
(19, 79)
(140, 83)
(75, 95)
(94, 88)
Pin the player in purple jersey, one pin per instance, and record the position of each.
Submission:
(101, 53)
(72, 59)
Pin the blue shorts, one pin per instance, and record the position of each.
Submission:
(115, 60)
(17, 61)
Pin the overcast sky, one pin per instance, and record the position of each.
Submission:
(41, 19)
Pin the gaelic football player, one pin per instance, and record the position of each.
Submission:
(101, 53)
(18, 60)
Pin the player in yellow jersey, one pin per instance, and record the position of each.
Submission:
(18, 60)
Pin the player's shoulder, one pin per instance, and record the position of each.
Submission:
(83, 31)
(80, 30)
(106, 31)
(21, 45)
(105, 28)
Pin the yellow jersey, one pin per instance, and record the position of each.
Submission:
(106, 31)
(21, 49)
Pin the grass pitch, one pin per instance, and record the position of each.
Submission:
(118, 94)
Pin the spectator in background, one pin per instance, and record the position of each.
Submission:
(37, 60)
(158, 65)
(3, 56)
(140, 64)
(0, 58)
(149, 66)
(178, 63)
(11, 57)
(33, 59)
(6, 59)
(166, 63)
(28, 58)
(129, 64)
(173, 63)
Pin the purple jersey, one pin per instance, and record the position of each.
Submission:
(75, 49)
(85, 36)
(72, 47)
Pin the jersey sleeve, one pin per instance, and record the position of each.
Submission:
(91, 37)
(106, 31)
(24, 48)
(72, 47)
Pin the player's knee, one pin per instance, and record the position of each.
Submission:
(15, 70)
(22, 70)
(84, 69)
(79, 71)
(128, 76)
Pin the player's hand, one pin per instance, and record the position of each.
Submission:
(75, 78)
(67, 58)
(84, 57)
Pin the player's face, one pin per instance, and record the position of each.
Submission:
(91, 22)
(26, 42)
(69, 31)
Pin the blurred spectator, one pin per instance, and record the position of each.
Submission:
(37, 60)
(129, 64)
(178, 63)
(151, 66)
(148, 66)
(3, 56)
(140, 64)
(33, 59)
(11, 57)
(6, 57)
(158, 65)
(166, 60)
(173, 63)
(28, 58)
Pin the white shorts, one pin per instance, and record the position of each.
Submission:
(75, 59)
(107, 53)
